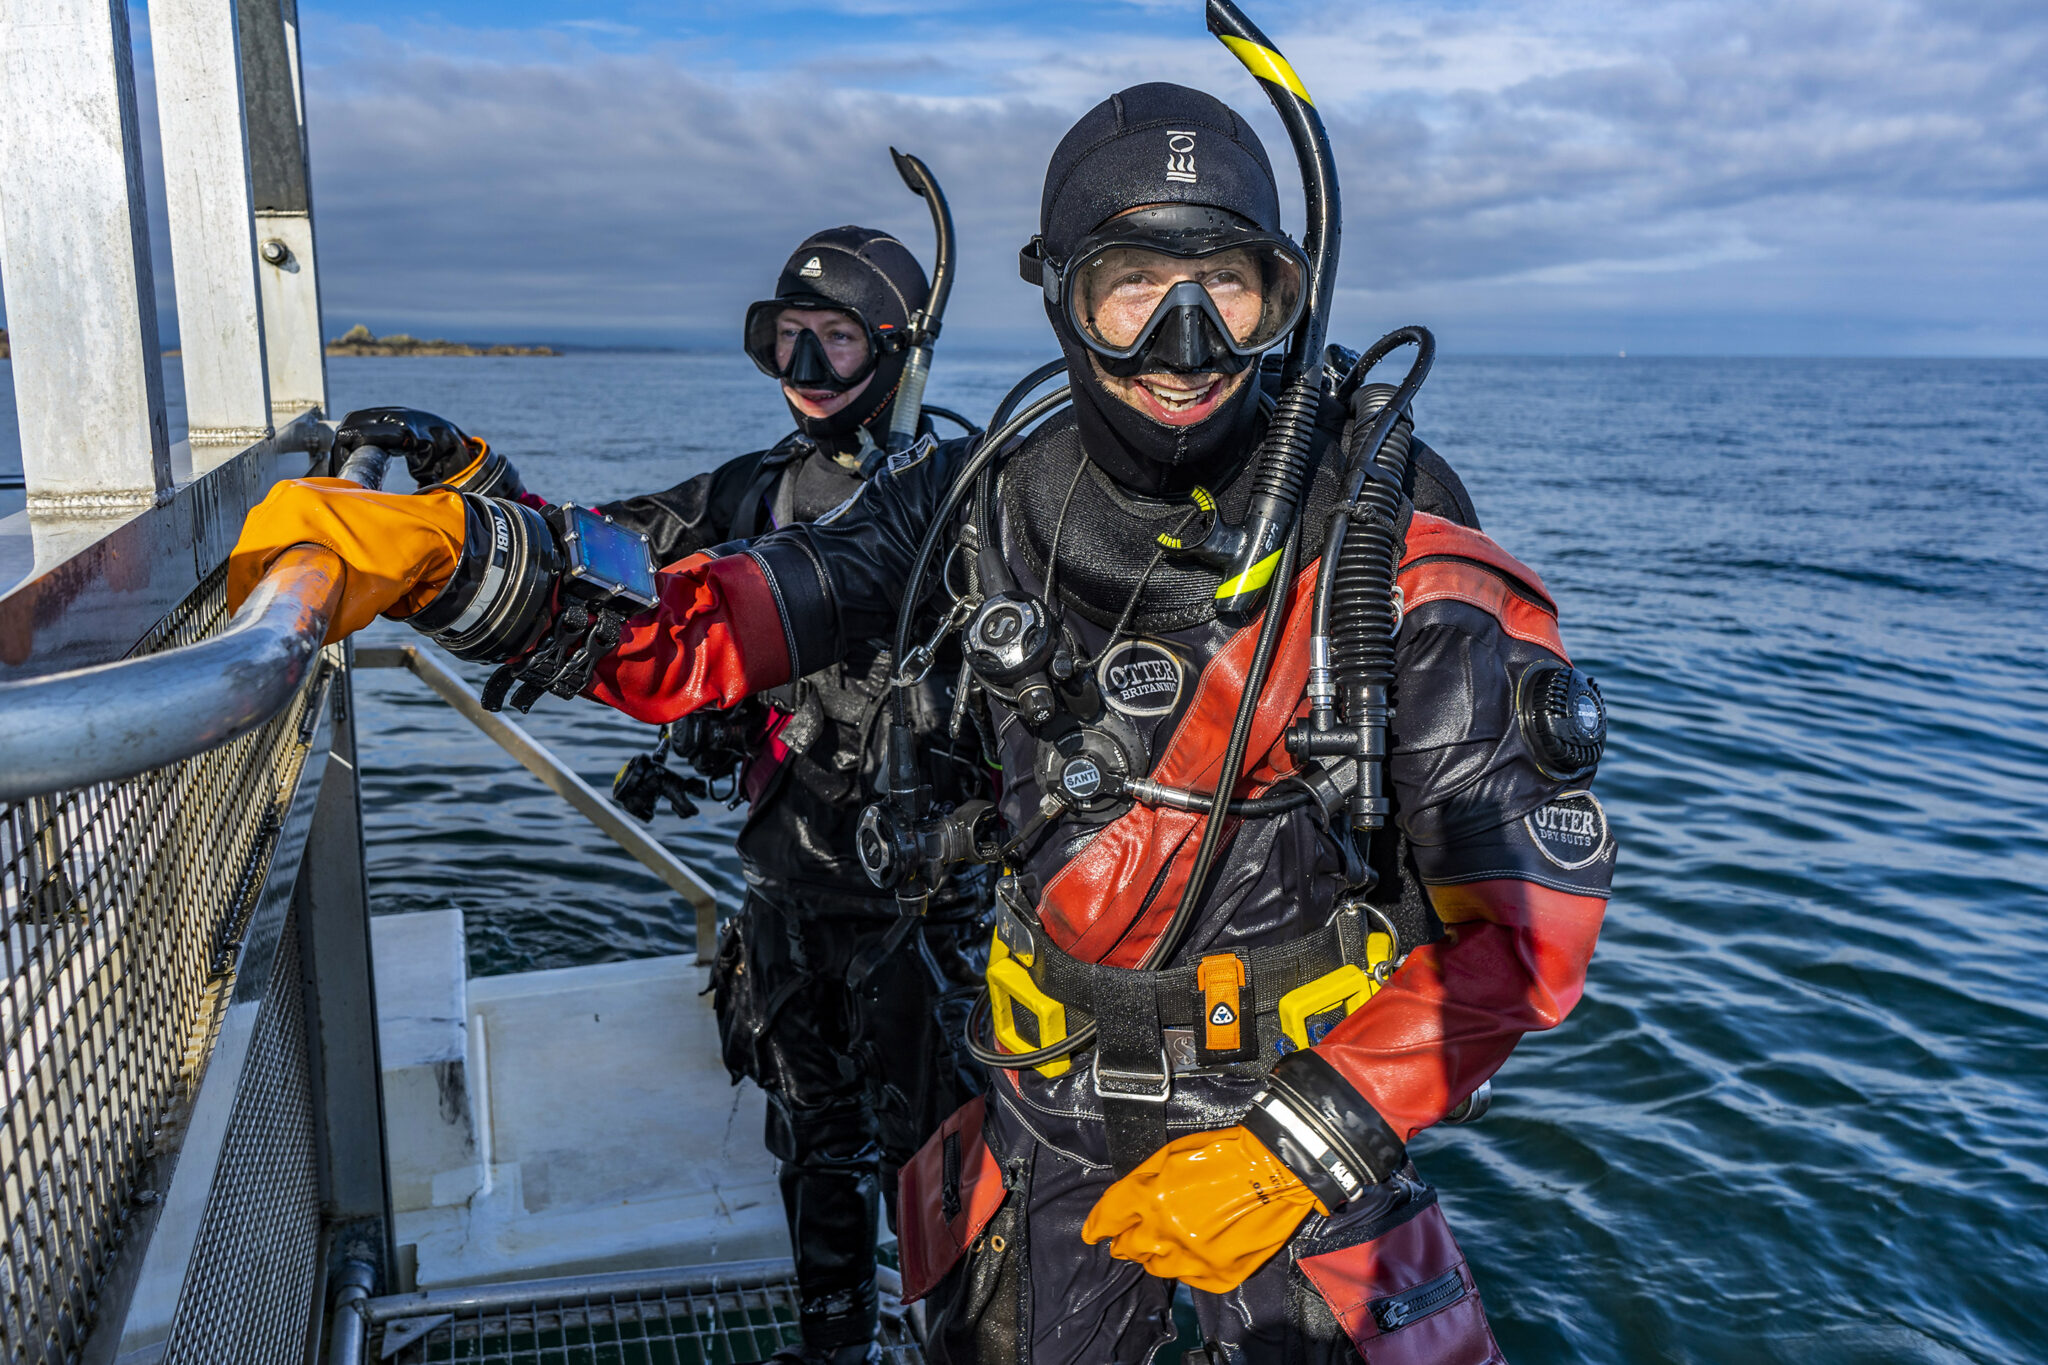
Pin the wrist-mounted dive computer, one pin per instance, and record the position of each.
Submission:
(607, 576)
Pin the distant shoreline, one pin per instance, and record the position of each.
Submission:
(359, 341)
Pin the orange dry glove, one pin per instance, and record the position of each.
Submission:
(397, 550)
(1207, 1210)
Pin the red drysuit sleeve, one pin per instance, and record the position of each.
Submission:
(716, 638)
(1514, 963)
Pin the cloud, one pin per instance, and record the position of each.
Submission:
(1804, 175)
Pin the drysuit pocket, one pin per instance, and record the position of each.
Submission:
(732, 1001)
(945, 1197)
(1404, 1293)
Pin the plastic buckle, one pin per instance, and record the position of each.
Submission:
(1160, 1096)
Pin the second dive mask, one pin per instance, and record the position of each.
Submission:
(836, 354)
(1175, 287)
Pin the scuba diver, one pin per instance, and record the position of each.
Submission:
(852, 1033)
(1294, 816)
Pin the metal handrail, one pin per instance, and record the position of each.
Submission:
(100, 724)
(115, 720)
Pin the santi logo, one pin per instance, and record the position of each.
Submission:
(1180, 156)
(812, 269)
(1222, 1016)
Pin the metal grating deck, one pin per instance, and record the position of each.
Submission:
(687, 1321)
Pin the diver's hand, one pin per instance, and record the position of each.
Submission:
(435, 450)
(397, 552)
(1208, 1209)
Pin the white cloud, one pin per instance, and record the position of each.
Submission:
(1859, 176)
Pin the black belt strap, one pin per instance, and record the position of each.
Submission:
(1131, 1074)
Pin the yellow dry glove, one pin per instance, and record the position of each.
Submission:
(397, 550)
(1207, 1210)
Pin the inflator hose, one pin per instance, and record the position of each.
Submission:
(1362, 618)
(1270, 629)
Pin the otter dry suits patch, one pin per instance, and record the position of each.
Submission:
(1571, 830)
(1141, 678)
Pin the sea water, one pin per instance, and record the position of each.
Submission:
(1802, 1113)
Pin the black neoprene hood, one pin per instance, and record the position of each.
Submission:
(858, 268)
(1154, 144)
(874, 275)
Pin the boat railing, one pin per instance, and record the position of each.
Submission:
(192, 1151)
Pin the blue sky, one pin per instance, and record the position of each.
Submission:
(1783, 177)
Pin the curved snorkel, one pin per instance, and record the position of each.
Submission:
(925, 322)
(1247, 553)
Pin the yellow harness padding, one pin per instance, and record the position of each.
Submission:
(1010, 988)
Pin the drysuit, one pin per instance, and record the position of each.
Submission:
(1240, 1120)
(852, 1033)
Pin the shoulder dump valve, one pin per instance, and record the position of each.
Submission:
(1565, 719)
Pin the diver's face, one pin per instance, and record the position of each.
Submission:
(846, 350)
(1124, 286)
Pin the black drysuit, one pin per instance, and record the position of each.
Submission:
(853, 1036)
(1514, 861)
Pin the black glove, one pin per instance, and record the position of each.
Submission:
(435, 450)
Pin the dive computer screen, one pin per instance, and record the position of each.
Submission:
(605, 559)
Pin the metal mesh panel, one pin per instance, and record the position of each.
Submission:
(656, 1327)
(121, 904)
(249, 1294)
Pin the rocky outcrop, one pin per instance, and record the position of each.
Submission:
(359, 341)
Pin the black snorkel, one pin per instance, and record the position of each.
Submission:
(1248, 553)
(925, 323)
(1258, 556)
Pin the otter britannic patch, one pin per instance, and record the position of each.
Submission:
(1141, 678)
(1571, 831)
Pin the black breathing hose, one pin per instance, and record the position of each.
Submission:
(1275, 510)
(986, 448)
(1270, 627)
(1367, 401)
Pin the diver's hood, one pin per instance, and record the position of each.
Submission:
(1151, 144)
(870, 275)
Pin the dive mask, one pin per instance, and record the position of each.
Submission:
(1176, 287)
(844, 355)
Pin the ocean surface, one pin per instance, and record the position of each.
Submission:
(1802, 1114)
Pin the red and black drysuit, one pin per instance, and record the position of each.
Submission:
(1509, 897)
(854, 1037)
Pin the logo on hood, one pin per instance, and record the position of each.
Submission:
(1180, 156)
(1141, 678)
(812, 268)
(1571, 831)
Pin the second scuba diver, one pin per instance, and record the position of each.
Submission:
(853, 1033)
(1294, 811)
